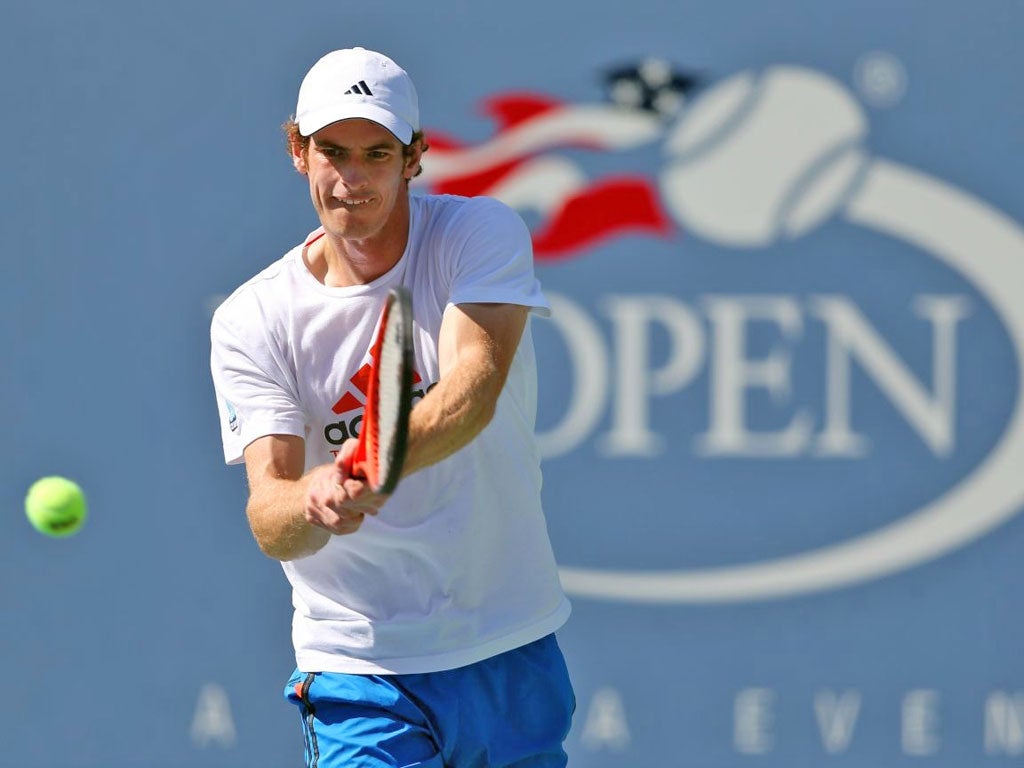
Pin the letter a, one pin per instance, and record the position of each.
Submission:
(606, 722)
(212, 721)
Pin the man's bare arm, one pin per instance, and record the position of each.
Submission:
(476, 346)
(292, 514)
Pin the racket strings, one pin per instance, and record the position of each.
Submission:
(390, 391)
(383, 441)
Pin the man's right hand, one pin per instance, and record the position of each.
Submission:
(294, 515)
(336, 501)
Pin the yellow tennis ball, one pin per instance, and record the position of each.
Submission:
(55, 506)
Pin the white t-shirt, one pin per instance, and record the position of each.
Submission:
(457, 566)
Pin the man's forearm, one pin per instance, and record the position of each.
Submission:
(452, 414)
(476, 347)
(277, 518)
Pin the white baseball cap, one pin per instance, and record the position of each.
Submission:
(355, 82)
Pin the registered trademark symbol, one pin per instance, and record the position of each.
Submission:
(881, 78)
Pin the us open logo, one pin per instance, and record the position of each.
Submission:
(804, 360)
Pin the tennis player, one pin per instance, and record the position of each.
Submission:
(423, 621)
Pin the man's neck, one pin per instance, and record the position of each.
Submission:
(340, 262)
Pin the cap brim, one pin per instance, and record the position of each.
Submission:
(313, 121)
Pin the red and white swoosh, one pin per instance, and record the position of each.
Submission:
(512, 166)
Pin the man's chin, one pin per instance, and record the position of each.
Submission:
(348, 228)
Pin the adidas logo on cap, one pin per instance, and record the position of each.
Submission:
(361, 88)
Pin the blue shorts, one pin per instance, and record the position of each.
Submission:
(514, 709)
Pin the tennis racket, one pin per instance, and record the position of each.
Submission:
(384, 436)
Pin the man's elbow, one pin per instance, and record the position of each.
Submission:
(485, 415)
(273, 549)
(489, 394)
(271, 542)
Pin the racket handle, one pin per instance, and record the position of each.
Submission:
(355, 464)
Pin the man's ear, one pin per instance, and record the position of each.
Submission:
(412, 161)
(298, 153)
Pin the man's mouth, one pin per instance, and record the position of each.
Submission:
(353, 202)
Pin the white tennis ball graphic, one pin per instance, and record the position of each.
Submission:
(763, 156)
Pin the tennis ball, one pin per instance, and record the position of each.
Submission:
(764, 157)
(55, 506)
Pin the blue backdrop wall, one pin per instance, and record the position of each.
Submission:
(781, 390)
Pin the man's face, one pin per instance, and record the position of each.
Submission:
(357, 177)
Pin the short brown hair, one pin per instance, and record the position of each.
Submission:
(294, 138)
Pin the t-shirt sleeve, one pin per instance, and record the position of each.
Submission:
(255, 394)
(492, 257)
